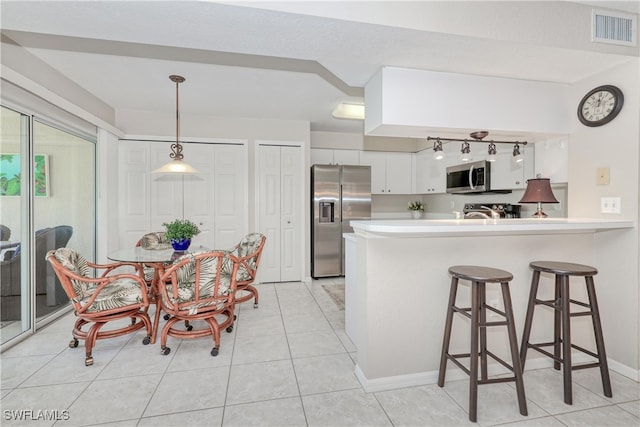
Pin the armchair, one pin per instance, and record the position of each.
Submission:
(46, 282)
(248, 252)
(199, 286)
(99, 300)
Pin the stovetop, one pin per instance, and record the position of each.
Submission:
(505, 210)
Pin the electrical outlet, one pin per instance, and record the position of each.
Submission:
(610, 205)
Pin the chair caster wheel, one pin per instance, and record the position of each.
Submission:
(166, 317)
(73, 343)
(255, 305)
(164, 351)
(88, 361)
(146, 340)
(190, 328)
(214, 351)
(235, 317)
(230, 328)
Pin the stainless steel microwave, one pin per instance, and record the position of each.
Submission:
(469, 177)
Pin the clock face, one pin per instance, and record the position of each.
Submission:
(600, 106)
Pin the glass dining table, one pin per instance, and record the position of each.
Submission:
(156, 259)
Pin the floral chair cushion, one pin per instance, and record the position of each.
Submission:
(186, 277)
(120, 293)
(77, 264)
(247, 246)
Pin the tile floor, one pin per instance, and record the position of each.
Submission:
(287, 363)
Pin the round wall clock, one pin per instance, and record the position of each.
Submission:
(600, 105)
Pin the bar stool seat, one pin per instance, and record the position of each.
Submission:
(479, 276)
(561, 343)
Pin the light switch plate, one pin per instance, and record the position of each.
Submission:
(602, 176)
(610, 204)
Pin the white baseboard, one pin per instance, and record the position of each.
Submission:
(454, 373)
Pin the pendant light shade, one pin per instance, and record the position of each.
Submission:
(177, 164)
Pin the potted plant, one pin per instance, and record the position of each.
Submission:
(416, 208)
(179, 233)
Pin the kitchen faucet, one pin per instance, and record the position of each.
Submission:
(494, 214)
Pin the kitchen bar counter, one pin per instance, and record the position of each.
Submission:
(468, 227)
(397, 288)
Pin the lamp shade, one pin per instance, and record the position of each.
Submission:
(538, 191)
(176, 166)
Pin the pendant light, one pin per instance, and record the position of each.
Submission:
(176, 165)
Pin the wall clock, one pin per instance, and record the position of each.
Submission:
(600, 105)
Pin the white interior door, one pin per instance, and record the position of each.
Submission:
(230, 196)
(198, 201)
(133, 190)
(280, 213)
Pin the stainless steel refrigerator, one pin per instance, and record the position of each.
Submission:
(338, 195)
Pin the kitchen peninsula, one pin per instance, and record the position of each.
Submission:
(397, 285)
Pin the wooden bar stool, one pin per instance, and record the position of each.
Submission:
(479, 276)
(562, 325)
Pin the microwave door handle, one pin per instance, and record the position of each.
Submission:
(471, 180)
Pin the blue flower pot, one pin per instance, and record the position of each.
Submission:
(180, 245)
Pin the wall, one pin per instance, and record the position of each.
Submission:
(614, 145)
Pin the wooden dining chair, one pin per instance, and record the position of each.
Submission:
(199, 287)
(100, 300)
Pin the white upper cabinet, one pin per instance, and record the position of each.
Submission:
(391, 172)
(430, 174)
(552, 160)
(506, 174)
(326, 156)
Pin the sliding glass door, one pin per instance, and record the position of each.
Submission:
(47, 202)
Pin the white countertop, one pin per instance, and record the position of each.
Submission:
(474, 227)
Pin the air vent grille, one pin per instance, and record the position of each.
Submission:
(614, 28)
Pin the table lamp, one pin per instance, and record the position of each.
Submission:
(538, 191)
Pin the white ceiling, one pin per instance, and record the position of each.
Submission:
(242, 61)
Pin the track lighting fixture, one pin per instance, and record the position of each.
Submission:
(517, 156)
(438, 154)
(478, 137)
(491, 157)
(465, 151)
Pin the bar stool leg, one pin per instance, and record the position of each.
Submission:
(513, 344)
(557, 322)
(597, 329)
(524, 344)
(483, 330)
(566, 339)
(473, 354)
(447, 331)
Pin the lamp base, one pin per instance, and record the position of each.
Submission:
(539, 213)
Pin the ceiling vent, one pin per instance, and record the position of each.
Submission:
(614, 28)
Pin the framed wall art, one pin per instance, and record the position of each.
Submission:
(10, 175)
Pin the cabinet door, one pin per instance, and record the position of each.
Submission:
(166, 196)
(321, 156)
(346, 157)
(506, 174)
(377, 161)
(398, 173)
(430, 174)
(552, 160)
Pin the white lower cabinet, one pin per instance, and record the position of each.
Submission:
(215, 199)
(391, 172)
